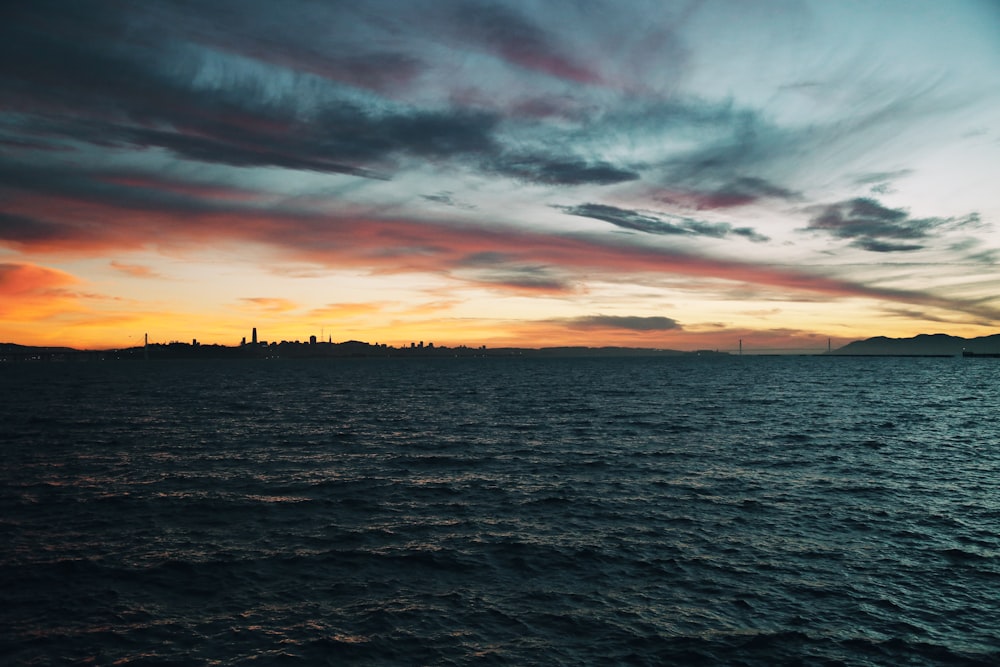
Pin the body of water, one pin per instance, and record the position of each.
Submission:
(713, 511)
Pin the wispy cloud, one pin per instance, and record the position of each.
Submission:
(629, 322)
(738, 192)
(877, 228)
(34, 292)
(134, 270)
(273, 305)
(515, 38)
(448, 199)
(397, 245)
(560, 171)
(662, 223)
(339, 311)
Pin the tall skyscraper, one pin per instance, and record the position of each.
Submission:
(253, 340)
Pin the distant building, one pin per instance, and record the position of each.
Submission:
(254, 339)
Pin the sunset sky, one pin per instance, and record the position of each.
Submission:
(652, 174)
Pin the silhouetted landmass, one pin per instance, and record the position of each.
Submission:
(15, 352)
(316, 350)
(924, 345)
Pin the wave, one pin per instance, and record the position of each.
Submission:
(611, 512)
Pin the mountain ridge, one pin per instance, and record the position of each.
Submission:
(935, 344)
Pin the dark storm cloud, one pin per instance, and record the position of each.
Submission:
(135, 87)
(331, 39)
(423, 133)
(528, 280)
(122, 90)
(629, 322)
(874, 245)
(21, 229)
(341, 60)
(347, 139)
(222, 150)
(101, 188)
(556, 171)
(113, 100)
(86, 60)
(135, 79)
(877, 228)
(643, 222)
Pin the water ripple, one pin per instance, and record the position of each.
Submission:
(750, 511)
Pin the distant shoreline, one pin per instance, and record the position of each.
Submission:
(30, 354)
(922, 345)
(10, 352)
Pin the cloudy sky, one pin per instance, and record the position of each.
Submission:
(654, 174)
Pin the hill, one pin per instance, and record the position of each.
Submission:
(922, 345)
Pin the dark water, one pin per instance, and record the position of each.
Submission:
(735, 511)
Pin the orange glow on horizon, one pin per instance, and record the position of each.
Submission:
(109, 332)
(50, 307)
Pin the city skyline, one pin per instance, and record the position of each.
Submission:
(673, 175)
(921, 345)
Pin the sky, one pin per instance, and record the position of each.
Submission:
(682, 175)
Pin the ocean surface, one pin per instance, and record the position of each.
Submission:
(658, 511)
